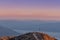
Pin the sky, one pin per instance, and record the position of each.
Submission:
(30, 9)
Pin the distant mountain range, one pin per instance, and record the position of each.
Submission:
(7, 32)
(35, 25)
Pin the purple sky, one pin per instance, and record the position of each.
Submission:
(30, 9)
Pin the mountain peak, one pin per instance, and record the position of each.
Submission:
(29, 36)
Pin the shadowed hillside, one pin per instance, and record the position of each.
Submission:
(29, 36)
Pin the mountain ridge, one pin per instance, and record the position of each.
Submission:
(7, 32)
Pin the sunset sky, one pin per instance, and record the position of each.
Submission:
(30, 9)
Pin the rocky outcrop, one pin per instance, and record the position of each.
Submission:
(29, 36)
(7, 38)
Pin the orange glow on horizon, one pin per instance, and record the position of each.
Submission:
(30, 13)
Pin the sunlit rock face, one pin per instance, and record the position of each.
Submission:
(4, 38)
(47, 37)
(7, 38)
(29, 36)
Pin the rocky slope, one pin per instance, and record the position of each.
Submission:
(29, 36)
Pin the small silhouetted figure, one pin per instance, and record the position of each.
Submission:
(38, 27)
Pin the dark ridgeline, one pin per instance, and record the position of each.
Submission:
(29, 36)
